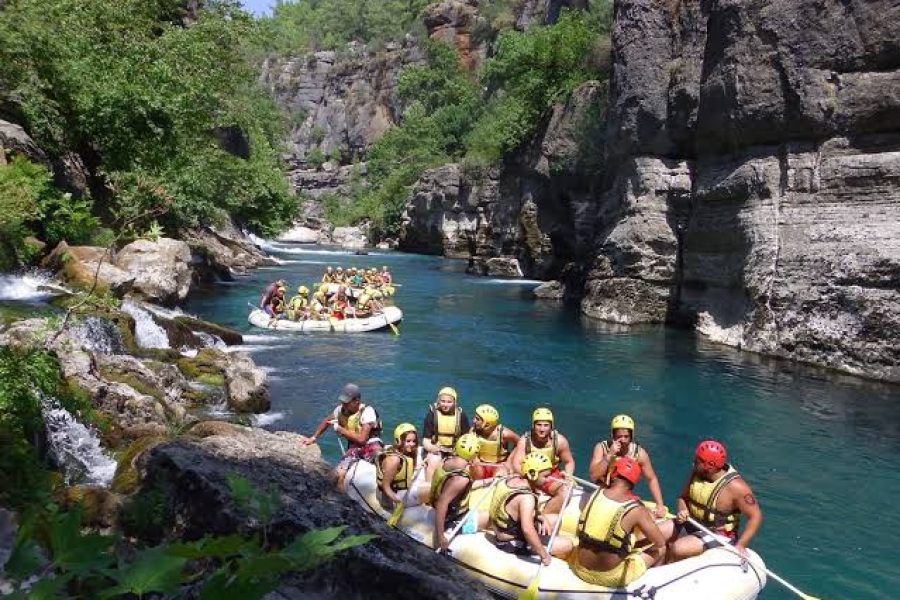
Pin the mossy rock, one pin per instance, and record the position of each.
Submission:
(126, 479)
(100, 507)
(10, 313)
(136, 383)
(229, 336)
(204, 367)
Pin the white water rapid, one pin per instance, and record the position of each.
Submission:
(75, 447)
(35, 286)
(147, 332)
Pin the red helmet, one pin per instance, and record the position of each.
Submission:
(627, 468)
(711, 451)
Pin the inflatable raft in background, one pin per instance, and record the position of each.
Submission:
(717, 573)
(390, 316)
(356, 292)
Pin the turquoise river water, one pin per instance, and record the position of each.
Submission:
(821, 450)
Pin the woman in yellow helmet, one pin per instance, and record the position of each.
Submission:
(298, 307)
(543, 438)
(445, 421)
(494, 443)
(620, 445)
(395, 467)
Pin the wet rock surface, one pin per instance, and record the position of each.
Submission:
(193, 471)
(161, 269)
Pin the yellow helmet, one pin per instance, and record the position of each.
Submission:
(542, 414)
(622, 422)
(303, 290)
(534, 463)
(447, 391)
(401, 430)
(466, 446)
(328, 269)
(488, 414)
(323, 288)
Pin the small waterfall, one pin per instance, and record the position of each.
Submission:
(98, 335)
(75, 447)
(210, 340)
(147, 332)
(34, 286)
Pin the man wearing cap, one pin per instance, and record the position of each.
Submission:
(606, 551)
(359, 424)
(717, 496)
(621, 444)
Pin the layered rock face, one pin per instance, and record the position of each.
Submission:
(526, 216)
(754, 177)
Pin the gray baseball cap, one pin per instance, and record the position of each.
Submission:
(350, 392)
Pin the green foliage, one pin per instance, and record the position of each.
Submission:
(146, 95)
(315, 158)
(310, 25)
(90, 565)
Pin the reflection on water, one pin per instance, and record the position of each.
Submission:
(822, 450)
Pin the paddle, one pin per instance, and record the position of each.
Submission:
(531, 592)
(473, 512)
(398, 510)
(394, 329)
(788, 585)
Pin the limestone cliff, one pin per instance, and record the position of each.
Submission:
(753, 182)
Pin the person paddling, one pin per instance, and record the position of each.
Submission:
(359, 424)
(395, 468)
(494, 443)
(621, 444)
(450, 487)
(544, 438)
(608, 549)
(716, 496)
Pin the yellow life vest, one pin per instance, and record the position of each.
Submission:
(352, 423)
(550, 450)
(492, 450)
(501, 496)
(298, 302)
(701, 501)
(600, 524)
(403, 477)
(460, 505)
(363, 302)
(446, 427)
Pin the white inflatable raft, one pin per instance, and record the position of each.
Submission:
(717, 573)
(391, 315)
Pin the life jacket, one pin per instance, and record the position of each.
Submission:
(298, 302)
(492, 450)
(600, 524)
(460, 505)
(503, 493)
(550, 450)
(363, 303)
(701, 501)
(351, 422)
(403, 477)
(326, 278)
(634, 449)
(446, 427)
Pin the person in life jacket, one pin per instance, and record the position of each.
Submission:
(340, 305)
(545, 439)
(621, 444)
(328, 275)
(395, 469)
(717, 496)
(514, 514)
(450, 487)
(617, 537)
(494, 443)
(386, 276)
(298, 307)
(339, 276)
(357, 423)
(445, 421)
(367, 305)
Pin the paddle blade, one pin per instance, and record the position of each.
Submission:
(394, 329)
(531, 592)
(395, 516)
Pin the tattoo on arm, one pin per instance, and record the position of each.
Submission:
(749, 499)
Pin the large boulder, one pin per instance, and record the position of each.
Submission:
(14, 139)
(77, 266)
(353, 238)
(161, 269)
(194, 475)
(222, 251)
(300, 234)
(245, 383)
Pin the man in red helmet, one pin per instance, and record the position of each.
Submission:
(716, 496)
(607, 552)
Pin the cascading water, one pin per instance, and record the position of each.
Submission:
(210, 340)
(35, 286)
(98, 335)
(147, 332)
(75, 447)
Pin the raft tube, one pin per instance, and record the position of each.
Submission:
(717, 573)
(388, 317)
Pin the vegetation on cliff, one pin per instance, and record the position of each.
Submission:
(154, 106)
(479, 118)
